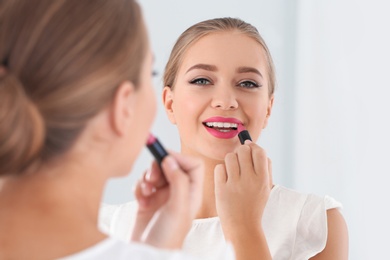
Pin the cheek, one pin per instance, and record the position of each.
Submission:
(257, 113)
(187, 107)
(256, 107)
(148, 107)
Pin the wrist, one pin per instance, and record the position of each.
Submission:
(249, 243)
(242, 232)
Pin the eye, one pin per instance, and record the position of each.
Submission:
(248, 84)
(200, 81)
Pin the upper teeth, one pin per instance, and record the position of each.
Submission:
(221, 124)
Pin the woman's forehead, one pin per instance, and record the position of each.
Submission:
(222, 49)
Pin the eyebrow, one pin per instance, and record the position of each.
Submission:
(214, 68)
(250, 70)
(203, 67)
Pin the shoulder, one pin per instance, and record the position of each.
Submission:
(304, 217)
(298, 201)
(117, 220)
(307, 210)
(337, 237)
(111, 248)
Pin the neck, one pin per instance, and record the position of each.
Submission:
(56, 201)
(208, 208)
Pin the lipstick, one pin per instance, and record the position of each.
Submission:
(243, 134)
(156, 148)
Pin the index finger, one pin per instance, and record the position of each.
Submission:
(155, 176)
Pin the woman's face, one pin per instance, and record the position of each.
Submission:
(221, 82)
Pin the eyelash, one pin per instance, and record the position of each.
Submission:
(253, 84)
(196, 81)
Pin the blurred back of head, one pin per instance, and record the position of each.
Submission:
(62, 62)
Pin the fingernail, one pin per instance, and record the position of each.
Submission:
(148, 175)
(171, 163)
(247, 141)
(146, 190)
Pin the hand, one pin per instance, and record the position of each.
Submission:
(168, 202)
(242, 188)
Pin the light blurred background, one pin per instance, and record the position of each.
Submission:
(330, 127)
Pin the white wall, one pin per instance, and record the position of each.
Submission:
(329, 133)
(341, 142)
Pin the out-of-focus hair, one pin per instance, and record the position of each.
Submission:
(61, 63)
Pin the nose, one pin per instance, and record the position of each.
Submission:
(224, 99)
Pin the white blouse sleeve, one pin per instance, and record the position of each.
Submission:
(312, 227)
(105, 217)
(118, 220)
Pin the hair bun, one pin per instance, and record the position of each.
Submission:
(22, 129)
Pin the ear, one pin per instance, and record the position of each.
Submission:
(167, 98)
(122, 108)
(269, 110)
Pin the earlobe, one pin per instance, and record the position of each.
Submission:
(167, 98)
(270, 105)
(269, 111)
(122, 110)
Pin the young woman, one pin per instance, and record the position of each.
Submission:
(219, 78)
(76, 106)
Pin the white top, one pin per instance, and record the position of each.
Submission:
(295, 226)
(112, 248)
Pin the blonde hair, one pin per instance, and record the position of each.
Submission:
(201, 29)
(63, 61)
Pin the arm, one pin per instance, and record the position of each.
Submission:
(168, 202)
(250, 244)
(337, 243)
(242, 187)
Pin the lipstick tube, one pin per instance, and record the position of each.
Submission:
(156, 148)
(243, 134)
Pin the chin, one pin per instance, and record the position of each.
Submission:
(217, 153)
(123, 168)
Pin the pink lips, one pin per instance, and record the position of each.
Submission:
(223, 135)
(240, 128)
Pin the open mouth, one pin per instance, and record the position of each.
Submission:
(221, 126)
